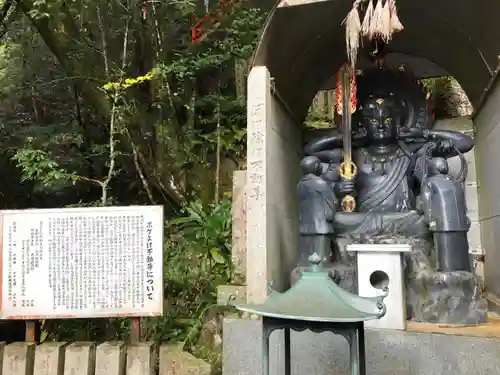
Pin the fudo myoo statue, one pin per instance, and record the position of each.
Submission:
(404, 194)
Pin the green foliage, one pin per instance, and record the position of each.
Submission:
(448, 98)
(122, 102)
(210, 229)
(437, 89)
(37, 165)
(318, 118)
(321, 111)
(197, 260)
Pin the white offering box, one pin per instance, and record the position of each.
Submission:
(379, 266)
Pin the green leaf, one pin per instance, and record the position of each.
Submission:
(180, 221)
(217, 256)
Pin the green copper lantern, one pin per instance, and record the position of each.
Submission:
(316, 303)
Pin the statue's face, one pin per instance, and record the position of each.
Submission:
(378, 121)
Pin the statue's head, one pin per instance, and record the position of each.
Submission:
(310, 164)
(389, 100)
(379, 119)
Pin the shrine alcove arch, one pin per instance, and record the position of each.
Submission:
(301, 48)
(304, 45)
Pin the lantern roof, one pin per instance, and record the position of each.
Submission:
(316, 297)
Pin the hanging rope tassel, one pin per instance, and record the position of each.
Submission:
(386, 31)
(365, 27)
(352, 32)
(396, 24)
(380, 20)
(376, 26)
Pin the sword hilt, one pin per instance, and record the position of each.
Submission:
(347, 172)
(348, 203)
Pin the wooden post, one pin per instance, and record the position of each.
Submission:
(30, 331)
(135, 330)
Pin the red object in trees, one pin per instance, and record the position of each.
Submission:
(196, 30)
(209, 21)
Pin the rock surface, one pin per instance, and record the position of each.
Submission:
(175, 361)
(441, 297)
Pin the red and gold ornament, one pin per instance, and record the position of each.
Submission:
(338, 89)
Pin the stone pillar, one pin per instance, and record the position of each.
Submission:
(274, 151)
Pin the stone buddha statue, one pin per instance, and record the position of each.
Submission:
(404, 194)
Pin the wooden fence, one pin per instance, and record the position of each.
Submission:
(87, 358)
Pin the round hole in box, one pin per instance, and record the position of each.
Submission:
(379, 279)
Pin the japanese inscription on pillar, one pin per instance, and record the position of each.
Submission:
(88, 262)
(256, 151)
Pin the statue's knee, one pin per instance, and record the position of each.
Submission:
(443, 204)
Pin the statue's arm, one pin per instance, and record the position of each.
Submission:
(461, 141)
(328, 142)
(426, 164)
(329, 156)
(329, 148)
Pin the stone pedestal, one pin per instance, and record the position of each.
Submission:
(387, 352)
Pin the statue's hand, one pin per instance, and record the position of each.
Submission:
(343, 188)
(443, 147)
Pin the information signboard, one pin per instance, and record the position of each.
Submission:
(81, 263)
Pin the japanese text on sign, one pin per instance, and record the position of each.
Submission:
(92, 262)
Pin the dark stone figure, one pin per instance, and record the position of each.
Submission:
(404, 194)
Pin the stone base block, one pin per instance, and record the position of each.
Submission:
(49, 358)
(387, 352)
(141, 358)
(80, 358)
(110, 359)
(18, 359)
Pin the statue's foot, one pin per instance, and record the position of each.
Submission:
(446, 297)
(344, 276)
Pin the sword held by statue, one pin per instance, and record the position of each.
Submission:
(346, 95)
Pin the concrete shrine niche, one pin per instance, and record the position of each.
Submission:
(405, 194)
